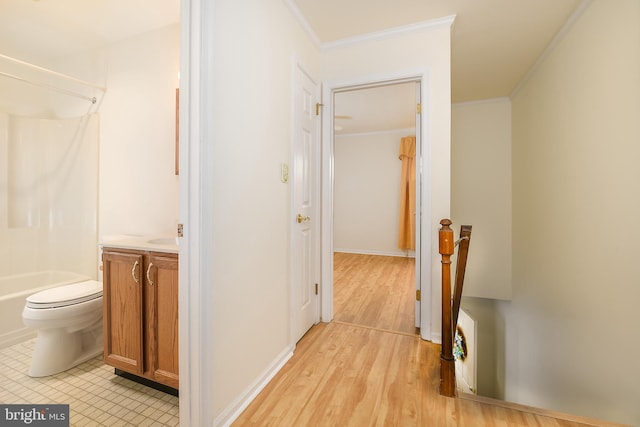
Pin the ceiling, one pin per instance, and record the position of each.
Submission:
(376, 109)
(494, 42)
(38, 29)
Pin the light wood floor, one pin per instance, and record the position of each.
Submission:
(376, 291)
(370, 369)
(348, 375)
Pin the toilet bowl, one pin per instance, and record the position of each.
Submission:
(68, 320)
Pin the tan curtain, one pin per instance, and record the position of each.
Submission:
(407, 227)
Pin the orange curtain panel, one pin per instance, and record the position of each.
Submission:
(407, 226)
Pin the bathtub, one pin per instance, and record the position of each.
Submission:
(13, 292)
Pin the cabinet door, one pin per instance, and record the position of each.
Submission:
(122, 310)
(162, 318)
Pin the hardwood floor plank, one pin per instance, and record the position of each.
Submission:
(347, 375)
(376, 291)
(370, 368)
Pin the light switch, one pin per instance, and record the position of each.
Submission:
(284, 173)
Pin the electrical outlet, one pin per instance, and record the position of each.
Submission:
(284, 173)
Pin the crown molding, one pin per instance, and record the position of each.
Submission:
(560, 35)
(482, 101)
(303, 23)
(433, 24)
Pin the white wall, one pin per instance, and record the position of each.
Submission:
(426, 51)
(254, 46)
(21, 98)
(367, 192)
(252, 80)
(138, 186)
(481, 192)
(573, 343)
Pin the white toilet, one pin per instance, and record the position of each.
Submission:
(69, 323)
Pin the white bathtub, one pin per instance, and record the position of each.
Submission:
(13, 292)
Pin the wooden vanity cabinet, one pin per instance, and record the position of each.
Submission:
(140, 313)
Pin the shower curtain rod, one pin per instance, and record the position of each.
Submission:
(55, 73)
(67, 92)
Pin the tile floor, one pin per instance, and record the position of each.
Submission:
(96, 396)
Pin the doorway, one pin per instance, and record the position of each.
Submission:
(371, 281)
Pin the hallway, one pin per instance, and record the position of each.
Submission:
(348, 375)
(369, 367)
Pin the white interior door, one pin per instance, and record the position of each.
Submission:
(305, 255)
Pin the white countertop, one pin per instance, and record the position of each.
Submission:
(153, 243)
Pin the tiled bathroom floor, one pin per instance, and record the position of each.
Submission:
(96, 396)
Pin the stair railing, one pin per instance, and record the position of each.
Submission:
(451, 305)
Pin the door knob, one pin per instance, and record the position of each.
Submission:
(300, 219)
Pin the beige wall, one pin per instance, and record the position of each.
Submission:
(572, 326)
(252, 81)
(367, 192)
(138, 191)
(481, 192)
(138, 185)
(426, 51)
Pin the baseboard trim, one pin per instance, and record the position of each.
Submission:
(233, 411)
(538, 411)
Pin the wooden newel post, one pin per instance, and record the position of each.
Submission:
(447, 364)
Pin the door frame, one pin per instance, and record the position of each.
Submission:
(423, 191)
(196, 132)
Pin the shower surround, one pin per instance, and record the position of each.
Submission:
(48, 203)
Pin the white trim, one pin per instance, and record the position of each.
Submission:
(433, 24)
(482, 101)
(234, 410)
(399, 254)
(293, 7)
(327, 178)
(425, 189)
(419, 132)
(436, 337)
(195, 275)
(378, 132)
(329, 88)
(555, 41)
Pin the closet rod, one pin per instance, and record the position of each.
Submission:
(55, 73)
(67, 92)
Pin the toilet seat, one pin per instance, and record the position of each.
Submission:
(63, 296)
